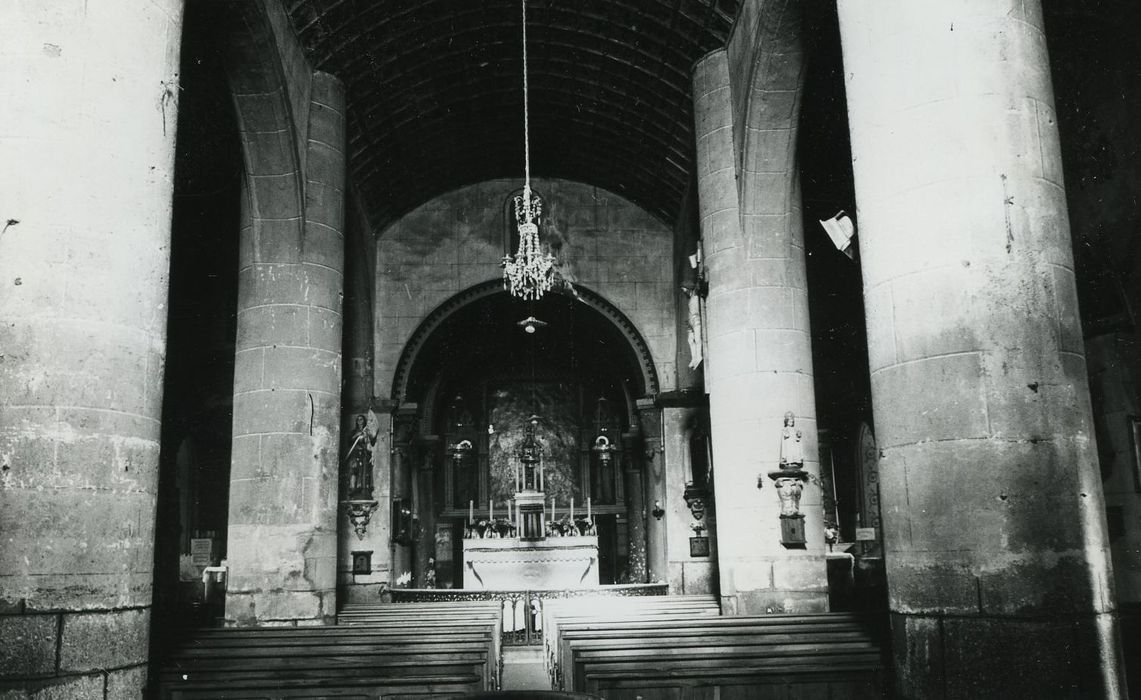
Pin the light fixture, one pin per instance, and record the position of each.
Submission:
(530, 324)
(529, 273)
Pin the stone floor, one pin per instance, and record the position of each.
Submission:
(523, 669)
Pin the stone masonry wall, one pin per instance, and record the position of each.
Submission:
(456, 241)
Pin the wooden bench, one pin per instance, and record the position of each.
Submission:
(833, 655)
(410, 653)
(430, 617)
(572, 610)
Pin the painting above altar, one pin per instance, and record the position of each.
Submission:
(510, 406)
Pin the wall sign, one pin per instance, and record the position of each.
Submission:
(201, 551)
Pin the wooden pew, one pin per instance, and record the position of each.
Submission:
(430, 616)
(332, 669)
(572, 610)
(406, 653)
(833, 655)
(730, 631)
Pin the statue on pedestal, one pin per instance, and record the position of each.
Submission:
(789, 481)
(359, 460)
(791, 449)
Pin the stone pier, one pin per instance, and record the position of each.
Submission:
(760, 358)
(282, 539)
(87, 138)
(994, 524)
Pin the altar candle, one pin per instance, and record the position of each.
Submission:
(471, 511)
(490, 510)
(553, 518)
(572, 509)
(588, 507)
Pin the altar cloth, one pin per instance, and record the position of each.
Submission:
(511, 564)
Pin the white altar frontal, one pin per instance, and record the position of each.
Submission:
(531, 548)
(518, 564)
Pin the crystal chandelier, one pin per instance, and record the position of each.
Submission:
(529, 273)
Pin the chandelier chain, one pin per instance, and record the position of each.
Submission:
(526, 112)
(529, 273)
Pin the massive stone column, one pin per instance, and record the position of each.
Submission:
(760, 361)
(87, 137)
(282, 538)
(997, 562)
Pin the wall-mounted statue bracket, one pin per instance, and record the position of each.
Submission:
(360, 512)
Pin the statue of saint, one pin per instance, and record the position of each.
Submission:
(791, 449)
(359, 460)
(693, 326)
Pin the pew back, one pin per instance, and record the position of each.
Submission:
(680, 656)
(409, 652)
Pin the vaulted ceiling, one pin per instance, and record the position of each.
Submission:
(435, 96)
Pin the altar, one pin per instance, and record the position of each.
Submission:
(531, 548)
(518, 564)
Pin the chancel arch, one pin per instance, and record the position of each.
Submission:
(477, 375)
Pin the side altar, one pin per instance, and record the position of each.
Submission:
(530, 548)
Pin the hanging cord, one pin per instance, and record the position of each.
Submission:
(526, 114)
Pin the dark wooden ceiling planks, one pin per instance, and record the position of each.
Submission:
(435, 95)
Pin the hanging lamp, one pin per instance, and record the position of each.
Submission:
(529, 273)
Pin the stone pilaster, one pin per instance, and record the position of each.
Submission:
(688, 573)
(424, 506)
(282, 538)
(85, 214)
(636, 509)
(994, 523)
(654, 477)
(405, 422)
(760, 360)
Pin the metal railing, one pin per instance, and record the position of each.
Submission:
(522, 610)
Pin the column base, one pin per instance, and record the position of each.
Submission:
(975, 657)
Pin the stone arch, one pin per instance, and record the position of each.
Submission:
(270, 153)
(648, 376)
(766, 135)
